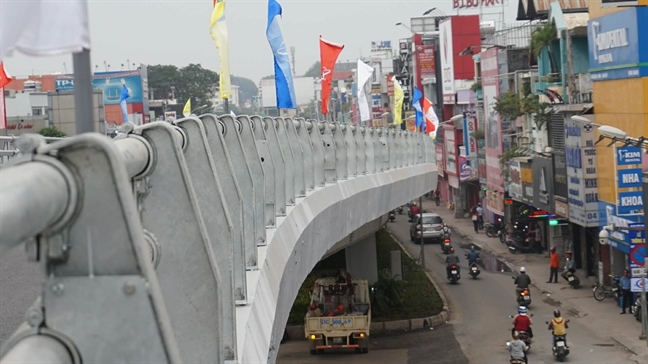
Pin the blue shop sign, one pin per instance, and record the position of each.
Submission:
(628, 156)
(614, 45)
(629, 178)
(630, 202)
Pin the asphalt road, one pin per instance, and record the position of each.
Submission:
(19, 288)
(436, 346)
(479, 311)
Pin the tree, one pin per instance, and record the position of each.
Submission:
(52, 131)
(191, 81)
(314, 71)
(247, 88)
(162, 80)
(543, 37)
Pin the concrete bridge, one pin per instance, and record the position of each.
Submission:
(188, 242)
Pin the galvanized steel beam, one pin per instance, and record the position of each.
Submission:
(279, 161)
(298, 157)
(315, 134)
(307, 151)
(248, 144)
(263, 150)
(289, 157)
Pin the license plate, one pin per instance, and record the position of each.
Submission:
(526, 298)
(454, 272)
(570, 279)
(560, 343)
(337, 340)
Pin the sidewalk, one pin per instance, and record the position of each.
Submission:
(603, 316)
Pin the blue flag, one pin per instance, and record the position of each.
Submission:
(122, 102)
(416, 103)
(283, 76)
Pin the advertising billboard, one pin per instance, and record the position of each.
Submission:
(542, 183)
(447, 61)
(450, 151)
(515, 181)
(582, 185)
(614, 45)
(425, 61)
(439, 159)
(493, 123)
(111, 84)
(469, 126)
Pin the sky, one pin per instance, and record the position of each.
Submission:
(177, 32)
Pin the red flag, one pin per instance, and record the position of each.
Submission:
(4, 77)
(329, 53)
(431, 120)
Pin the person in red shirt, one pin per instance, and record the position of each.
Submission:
(522, 322)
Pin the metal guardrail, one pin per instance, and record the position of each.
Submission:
(145, 240)
(8, 148)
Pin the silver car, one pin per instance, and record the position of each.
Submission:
(432, 227)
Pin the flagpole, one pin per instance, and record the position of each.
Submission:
(83, 92)
(226, 105)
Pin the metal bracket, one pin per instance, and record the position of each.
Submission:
(378, 149)
(400, 146)
(350, 145)
(330, 162)
(258, 127)
(280, 164)
(361, 150)
(341, 157)
(284, 145)
(298, 157)
(391, 146)
(315, 133)
(369, 151)
(307, 150)
(233, 201)
(209, 194)
(246, 135)
(171, 211)
(244, 178)
(383, 135)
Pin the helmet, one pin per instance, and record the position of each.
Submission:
(522, 310)
(414, 203)
(522, 270)
(556, 313)
(553, 248)
(451, 250)
(472, 248)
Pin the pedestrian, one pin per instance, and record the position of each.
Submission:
(480, 216)
(475, 218)
(553, 265)
(626, 295)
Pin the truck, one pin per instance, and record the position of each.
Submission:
(339, 316)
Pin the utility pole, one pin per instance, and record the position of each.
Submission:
(422, 240)
(83, 92)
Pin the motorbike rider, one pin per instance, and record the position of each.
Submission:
(522, 322)
(452, 259)
(559, 327)
(446, 231)
(414, 210)
(522, 281)
(518, 348)
(472, 256)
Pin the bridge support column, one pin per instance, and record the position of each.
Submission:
(362, 259)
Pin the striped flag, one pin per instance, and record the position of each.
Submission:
(285, 88)
(416, 103)
(219, 34)
(431, 119)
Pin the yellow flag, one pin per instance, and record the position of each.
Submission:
(399, 96)
(218, 31)
(187, 109)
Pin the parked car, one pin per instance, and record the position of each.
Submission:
(430, 224)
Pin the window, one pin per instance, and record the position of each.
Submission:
(37, 111)
(429, 220)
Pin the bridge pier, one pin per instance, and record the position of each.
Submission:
(361, 259)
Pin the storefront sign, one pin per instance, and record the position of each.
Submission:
(495, 201)
(527, 182)
(439, 158)
(618, 3)
(390, 85)
(470, 125)
(468, 4)
(560, 175)
(614, 42)
(450, 151)
(493, 122)
(629, 178)
(515, 180)
(562, 208)
(453, 181)
(636, 284)
(628, 156)
(542, 186)
(465, 172)
(580, 160)
(630, 202)
(425, 60)
(447, 60)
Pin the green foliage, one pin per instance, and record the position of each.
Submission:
(52, 131)
(508, 105)
(476, 86)
(387, 294)
(532, 105)
(478, 134)
(191, 81)
(543, 37)
(315, 70)
(247, 88)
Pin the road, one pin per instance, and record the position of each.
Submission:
(479, 311)
(19, 288)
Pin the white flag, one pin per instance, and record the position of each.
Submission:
(364, 74)
(43, 27)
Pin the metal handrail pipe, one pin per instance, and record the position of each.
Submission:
(33, 196)
(13, 137)
(136, 154)
(38, 349)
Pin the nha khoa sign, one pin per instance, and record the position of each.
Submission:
(466, 4)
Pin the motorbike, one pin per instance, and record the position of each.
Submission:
(523, 296)
(392, 215)
(560, 351)
(474, 270)
(493, 230)
(636, 309)
(445, 246)
(399, 209)
(571, 278)
(454, 274)
(410, 214)
(502, 236)
(525, 246)
(524, 336)
(514, 360)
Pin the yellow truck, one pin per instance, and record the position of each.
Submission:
(339, 316)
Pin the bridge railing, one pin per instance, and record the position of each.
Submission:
(144, 241)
